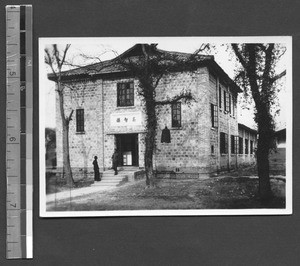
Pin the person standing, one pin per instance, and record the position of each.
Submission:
(115, 160)
(96, 169)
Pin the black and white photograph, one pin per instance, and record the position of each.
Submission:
(165, 126)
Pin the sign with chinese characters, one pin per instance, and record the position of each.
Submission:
(126, 119)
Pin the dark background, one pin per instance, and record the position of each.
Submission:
(227, 240)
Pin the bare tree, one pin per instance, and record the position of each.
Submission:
(258, 78)
(56, 59)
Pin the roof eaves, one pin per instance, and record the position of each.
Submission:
(228, 80)
(247, 128)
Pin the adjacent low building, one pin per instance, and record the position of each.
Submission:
(277, 157)
(247, 143)
(198, 139)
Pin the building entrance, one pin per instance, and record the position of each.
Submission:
(127, 145)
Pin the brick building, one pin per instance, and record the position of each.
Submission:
(109, 114)
(278, 157)
(247, 142)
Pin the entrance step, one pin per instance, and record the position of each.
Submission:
(109, 179)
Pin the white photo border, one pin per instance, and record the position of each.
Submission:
(196, 212)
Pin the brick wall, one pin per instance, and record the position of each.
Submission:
(227, 123)
(110, 107)
(190, 150)
(189, 147)
(84, 145)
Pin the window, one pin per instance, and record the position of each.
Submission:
(214, 115)
(223, 142)
(241, 149)
(251, 147)
(212, 149)
(125, 93)
(225, 101)
(220, 97)
(176, 115)
(233, 106)
(233, 144)
(229, 107)
(80, 120)
(246, 146)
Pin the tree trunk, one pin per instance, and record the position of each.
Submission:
(263, 149)
(149, 158)
(66, 155)
(65, 140)
(263, 170)
(150, 142)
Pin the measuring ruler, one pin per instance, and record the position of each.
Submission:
(19, 131)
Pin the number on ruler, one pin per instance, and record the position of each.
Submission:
(12, 139)
(12, 73)
(13, 205)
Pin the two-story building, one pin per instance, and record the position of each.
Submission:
(202, 137)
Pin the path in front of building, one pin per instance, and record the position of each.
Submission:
(109, 182)
(76, 192)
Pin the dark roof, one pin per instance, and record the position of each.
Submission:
(242, 126)
(281, 133)
(113, 66)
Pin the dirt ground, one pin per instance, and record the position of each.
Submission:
(223, 192)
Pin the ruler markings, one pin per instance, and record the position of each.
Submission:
(19, 70)
(29, 130)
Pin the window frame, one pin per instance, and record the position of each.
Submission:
(176, 112)
(214, 115)
(225, 101)
(233, 144)
(212, 149)
(79, 120)
(220, 97)
(246, 146)
(229, 99)
(233, 106)
(241, 146)
(223, 143)
(125, 94)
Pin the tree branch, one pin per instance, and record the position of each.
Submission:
(283, 52)
(56, 55)
(69, 118)
(48, 61)
(203, 47)
(65, 52)
(276, 77)
(186, 96)
(251, 73)
(158, 80)
(239, 55)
